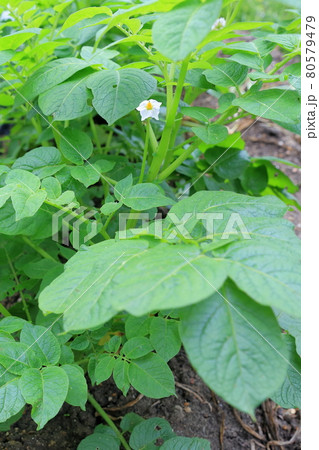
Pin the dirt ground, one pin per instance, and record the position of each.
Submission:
(195, 411)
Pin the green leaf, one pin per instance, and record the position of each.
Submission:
(77, 392)
(23, 179)
(120, 375)
(85, 13)
(246, 59)
(5, 194)
(103, 438)
(289, 393)
(76, 145)
(104, 368)
(164, 337)
(110, 272)
(236, 346)
(52, 187)
(11, 400)
(66, 101)
(147, 433)
(17, 356)
(185, 443)
(136, 326)
(227, 74)
(88, 174)
(11, 324)
(255, 179)
(122, 187)
(269, 273)
(129, 422)
(26, 203)
(43, 342)
(14, 40)
(100, 56)
(227, 163)
(46, 391)
(151, 376)
(118, 92)
(110, 207)
(41, 161)
(274, 104)
(5, 56)
(293, 326)
(137, 347)
(49, 76)
(145, 196)
(287, 41)
(199, 112)
(211, 134)
(177, 33)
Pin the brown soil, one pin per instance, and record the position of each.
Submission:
(195, 411)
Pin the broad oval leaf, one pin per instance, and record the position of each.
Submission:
(227, 74)
(236, 346)
(126, 275)
(178, 32)
(49, 76)
(43, 342)
(77, 391)
(76, 145)
(11, 400)
(118, 92)
(274, 104)
(151, 376)
(46, 391)
(211, 134)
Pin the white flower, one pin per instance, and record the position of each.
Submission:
(6, 16)
(149, 108)
(219, 23)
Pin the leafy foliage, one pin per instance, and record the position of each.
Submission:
(126, 239)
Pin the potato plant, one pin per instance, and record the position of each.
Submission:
(132, 220)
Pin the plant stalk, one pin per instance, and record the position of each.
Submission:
(108, 420)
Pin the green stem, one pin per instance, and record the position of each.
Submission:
(283, 62)
(25, 305)
(178, 161)
(160, 155)
(108, 420)
(95, 135)
(235, 12)
(147, 138)
(4, 311)
(38, 249)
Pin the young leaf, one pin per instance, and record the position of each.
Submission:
(104, 367)
(118, 92)
(227, 74)
(137, 347)
(85, 13)
(274, 104)
(177, 33)
(77, 392)
(46, 391)
(42, 161)
(151, 376)
(88, 174)
(76, 145)
(236, 346)
(43, 342)
(164, 337)
(103, 438)
(136, 326)
(120, 375)
(211, 134)
(145, 196)
(150, 431)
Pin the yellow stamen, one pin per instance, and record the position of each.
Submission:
(149, 106)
